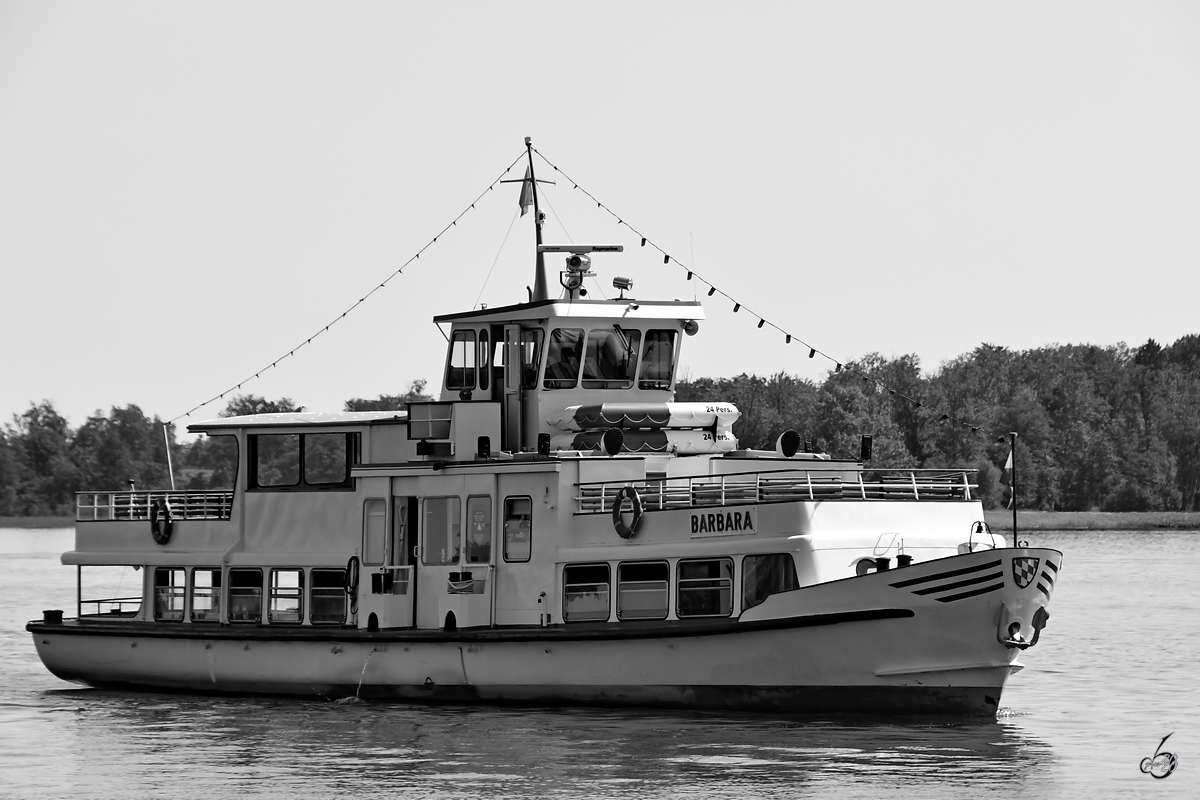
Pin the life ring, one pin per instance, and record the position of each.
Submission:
(351, 584)
(623, 530)
(160, 521)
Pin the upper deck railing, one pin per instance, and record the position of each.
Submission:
(96, 506)
(706, 491)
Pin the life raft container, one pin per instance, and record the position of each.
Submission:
(160, 521)
(718, 416)
(650, 441)
(623, 530)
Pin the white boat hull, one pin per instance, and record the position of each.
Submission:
(863, 644)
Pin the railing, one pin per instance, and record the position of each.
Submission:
(112, 607)
(94, 506)
(703, 491)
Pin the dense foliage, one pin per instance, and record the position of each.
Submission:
(1101, 428)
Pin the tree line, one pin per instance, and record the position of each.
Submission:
(1100, 428)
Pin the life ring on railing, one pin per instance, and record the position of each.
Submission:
(160, 521)
(351, 584)
(623, 530)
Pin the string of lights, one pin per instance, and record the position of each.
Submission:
(789, 337)
(415, 257)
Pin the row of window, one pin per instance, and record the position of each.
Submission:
(607, 357)
(703, 587)
(289, 598)
(301, 461)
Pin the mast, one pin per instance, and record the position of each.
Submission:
(541, 283)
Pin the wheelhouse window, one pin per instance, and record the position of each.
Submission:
(442, 528)
(563, 358)
(611, 358)
(485, 360)
(301, 461)
(518, 528)
(460, 370)
(245, 595)
(206, 595)
(286, 604)
(479, 530)
(763, 576)
(658, 360)
(704, 588)
(328, 596)
(531, 356)
(170, 591)
(642, 590)
(585, 592)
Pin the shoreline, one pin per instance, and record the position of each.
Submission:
(1001, 520)
(997, 519)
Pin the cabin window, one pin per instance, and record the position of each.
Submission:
(328, 596)
(642, 590)
(301, 461)
(658, 360)
(170, 590)
(374, 531)
(563, 358)
(206, 595)
(442, 530)
(479, 530)
(245, 595)
(460, 374)
(326, 458)
(485, 360)
(531, 356)
(286, 604)
(763, 576)
(277, 459)
(518, 528)
(704, 588)
(585, 592)
(611, 358)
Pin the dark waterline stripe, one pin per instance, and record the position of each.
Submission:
(1043, 590)
(1048, 578)
(1050, 564)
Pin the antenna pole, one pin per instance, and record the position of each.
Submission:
(541, 289)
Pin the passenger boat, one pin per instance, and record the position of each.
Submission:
(556, 529)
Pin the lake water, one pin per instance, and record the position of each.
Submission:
(1115, 671)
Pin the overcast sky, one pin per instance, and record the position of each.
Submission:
(188, 191)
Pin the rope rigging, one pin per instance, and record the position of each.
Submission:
(415, 257)
(813, 351)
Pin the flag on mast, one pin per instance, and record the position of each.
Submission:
(526, 199)
(1006, 477)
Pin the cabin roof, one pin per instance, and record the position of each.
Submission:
(646, 309)
(300, 420)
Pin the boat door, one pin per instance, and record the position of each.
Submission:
(456, 555)
(386, 600)
(510, 392)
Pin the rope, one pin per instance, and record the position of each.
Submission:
(359, 302)
(813, 351)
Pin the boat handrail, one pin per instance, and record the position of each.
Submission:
(136, 505)
(706, 491)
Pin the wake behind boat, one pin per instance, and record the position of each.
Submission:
(556, 529)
